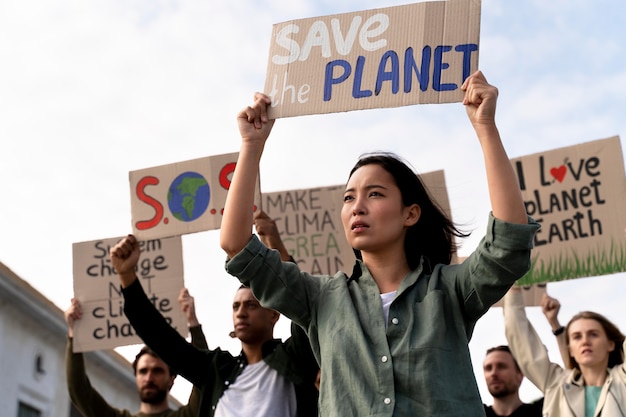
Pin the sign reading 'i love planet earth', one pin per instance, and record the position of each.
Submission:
(578, 194)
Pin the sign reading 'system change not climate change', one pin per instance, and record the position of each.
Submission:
(180, 198)
(390, 57)
(97, 287)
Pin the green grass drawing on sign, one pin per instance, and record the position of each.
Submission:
(575, 266)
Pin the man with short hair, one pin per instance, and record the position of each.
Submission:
(153, 376)
(504, 377)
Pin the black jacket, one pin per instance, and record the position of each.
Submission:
(212, 371)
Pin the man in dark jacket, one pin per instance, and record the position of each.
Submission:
(269, 378)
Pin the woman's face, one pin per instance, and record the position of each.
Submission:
(373, 215)
(589, 344)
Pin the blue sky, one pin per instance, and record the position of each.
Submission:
(90, 90)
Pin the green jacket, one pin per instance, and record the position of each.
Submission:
(419, 362)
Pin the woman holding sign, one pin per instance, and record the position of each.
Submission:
(392, 337)
(595, 381)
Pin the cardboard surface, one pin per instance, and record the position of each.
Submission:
(309, 221)
(532, 295)
(389, 57)
(97, 287)
(578, 194)
(180, 198)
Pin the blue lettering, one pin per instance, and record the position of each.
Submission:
(467, 50)
(328, 78)
(393, 75)
(389, 68)
(410, 66)
(358, 77)
(439, 67)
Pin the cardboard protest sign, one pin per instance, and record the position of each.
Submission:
(97, 287)
(180, 198)
(309, 222)
(389, 57)
(532, 295)
(578, 194)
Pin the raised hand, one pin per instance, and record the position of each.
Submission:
(188, 306)
(268, 233)
(124, 257)
(480, 100)
(73, 313)
(254, 126)
(550, 307)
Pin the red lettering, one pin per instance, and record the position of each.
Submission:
(142, 196)
(224, 173)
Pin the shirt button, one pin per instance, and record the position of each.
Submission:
(387, 401)
(394, 320)
(384, 359)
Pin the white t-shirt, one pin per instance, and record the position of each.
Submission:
(387, 299)
(259, 391)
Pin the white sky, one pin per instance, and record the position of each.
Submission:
(90, 90)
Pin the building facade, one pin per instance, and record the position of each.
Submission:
(33, 337)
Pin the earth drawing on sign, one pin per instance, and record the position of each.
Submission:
(188, 196)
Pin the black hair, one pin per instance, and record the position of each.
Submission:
(504, 348)
(146, 350)
(432, 237)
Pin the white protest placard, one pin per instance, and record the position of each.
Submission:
(388, 57)
(97, 287)
(309, 222)
(578, 194)
(180, 198)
